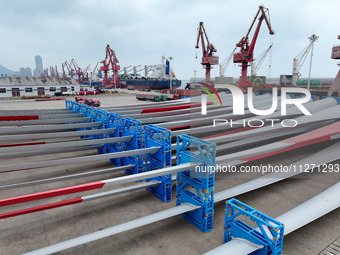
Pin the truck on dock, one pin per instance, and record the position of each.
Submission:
(172, 96)
(182, 93)
(156, 97)
(149, 97)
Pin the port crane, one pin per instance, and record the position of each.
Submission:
(63, 68)
(225, 63)
(78, 70)
(69, 69)
(256, 64)
(137, 69)
(44, 73)
(246, 54)
(95, 68)
(86, 73)
(56, 72)
(336, 83)
(208, 50)
(110, 63)
(126, 69)
(93, 73)
(299, 60)
(52, 73)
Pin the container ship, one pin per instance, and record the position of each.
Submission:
(156, 77)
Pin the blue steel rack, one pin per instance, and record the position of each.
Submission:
(157, 136)
(270, 233)
(70, 105)
(202, 181)
(95, 115)
(84, 110)
(126, 127)
(135, 128)
(101, 116)
(114, 120)
(91, 113)
(123, 127)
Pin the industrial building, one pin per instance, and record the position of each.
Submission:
(36, 86)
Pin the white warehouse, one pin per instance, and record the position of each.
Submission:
(33, 86)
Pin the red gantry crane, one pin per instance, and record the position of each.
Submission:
(246, 54)
(56, 72)
(78, 70)
(69, 68)
(44, 73)
(74, 69)
(52, 73)
(208, 50)
(336, 83)
(110, 63)
(63, 68)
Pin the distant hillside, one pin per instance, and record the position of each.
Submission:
(4, 70)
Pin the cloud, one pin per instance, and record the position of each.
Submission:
(142, 31)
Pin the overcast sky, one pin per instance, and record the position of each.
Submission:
(141, 31)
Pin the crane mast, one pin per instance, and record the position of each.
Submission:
(86, 73)
(256, 64)
(63, 68)
(127, 69)
(137, 69)
(110, 63)
(95, 68)
(69, 68)
(78, 70)
(44, 73)
(56, 72)
(52, 73)
(93, 73)
(246, 54)
(299, 60)
(225, 63)
(208, 59)
(336, 83)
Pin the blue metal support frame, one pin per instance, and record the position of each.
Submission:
(91, 113)
(101, 116)
(73, 106)
(270, 233)
(153, 137)
(98, 115)
(82, 109)
(115, 121)
(70, 105)
(123, 127)
(127, 127)
(87, 112)
(201, 181)
(135, 128)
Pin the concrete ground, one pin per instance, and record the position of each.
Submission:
(172, 236)
(129, 97)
